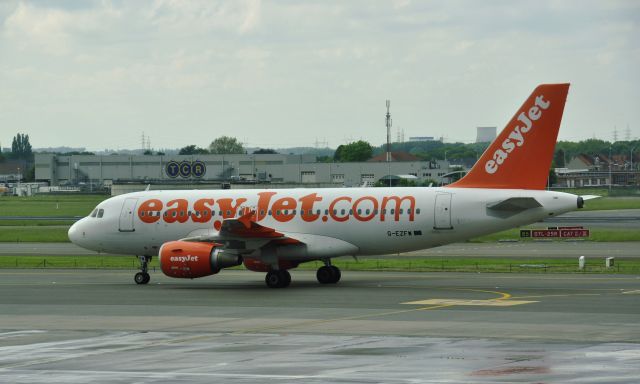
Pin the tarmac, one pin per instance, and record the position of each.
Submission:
(373, 327)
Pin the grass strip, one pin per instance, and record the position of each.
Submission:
(407, 264)
(58, 234)
(49, 205)
(34, 234)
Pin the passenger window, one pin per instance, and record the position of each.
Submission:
(342, 211)
(142, 213)
(418, 211)
(401, 211)
(367, 211)
(94, 213)
(100, 213)
(392, 211)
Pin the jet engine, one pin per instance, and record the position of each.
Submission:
(185, 259)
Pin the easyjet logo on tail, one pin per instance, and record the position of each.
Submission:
(516, 138)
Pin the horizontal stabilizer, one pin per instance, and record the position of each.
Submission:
(590, 197)
(515, 204)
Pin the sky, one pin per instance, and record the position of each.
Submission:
(97, 74)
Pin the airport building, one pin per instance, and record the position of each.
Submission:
(200, 171)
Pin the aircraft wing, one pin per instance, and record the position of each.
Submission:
(242, 235)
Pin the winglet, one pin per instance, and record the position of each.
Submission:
(247, 217)
(520, 157)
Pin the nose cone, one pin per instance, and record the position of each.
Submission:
(74, 233)
(77, 233)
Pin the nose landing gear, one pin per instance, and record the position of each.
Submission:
(143, 276)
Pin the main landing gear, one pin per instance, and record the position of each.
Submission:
(143, 276)
(328, 274)
(278, 278)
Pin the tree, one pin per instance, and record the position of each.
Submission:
(225, 145)
(192, 150)
(356, 151)
(20, 146)
(264, 151)
(558, 158)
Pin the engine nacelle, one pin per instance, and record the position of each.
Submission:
(185, 259)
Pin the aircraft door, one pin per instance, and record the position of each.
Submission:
(442, 211)
(126, 215)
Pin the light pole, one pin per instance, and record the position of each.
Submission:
(631, 157)
(610, 178)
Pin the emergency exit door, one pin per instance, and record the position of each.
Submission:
(126, 215)
(442, 211)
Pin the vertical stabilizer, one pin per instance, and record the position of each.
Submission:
(520, 157)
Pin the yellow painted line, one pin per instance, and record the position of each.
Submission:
(567, 295)
(487, 303)
(504, 300)
(503, 295)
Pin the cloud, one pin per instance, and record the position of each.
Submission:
(228, 67)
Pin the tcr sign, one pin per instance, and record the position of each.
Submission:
(185, 169)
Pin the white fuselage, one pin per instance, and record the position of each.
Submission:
(331, 222)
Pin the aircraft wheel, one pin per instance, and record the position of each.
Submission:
(287, 278)
(336, 274)
(278, 279)
(141, 278)
(325, 275)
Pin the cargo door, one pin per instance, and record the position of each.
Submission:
(126, 215)
(442, 211)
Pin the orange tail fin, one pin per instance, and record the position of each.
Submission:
(520, 157)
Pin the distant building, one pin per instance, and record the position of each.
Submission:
(208, 171)
(486, 134)
(395, 156)
(422, 138)
(597, 171)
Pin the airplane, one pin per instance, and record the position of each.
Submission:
(197, 233)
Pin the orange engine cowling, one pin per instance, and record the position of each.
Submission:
(185, 259)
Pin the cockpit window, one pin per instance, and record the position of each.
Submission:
(93, 214)
(100, 213)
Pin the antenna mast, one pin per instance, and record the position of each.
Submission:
(388, 121)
